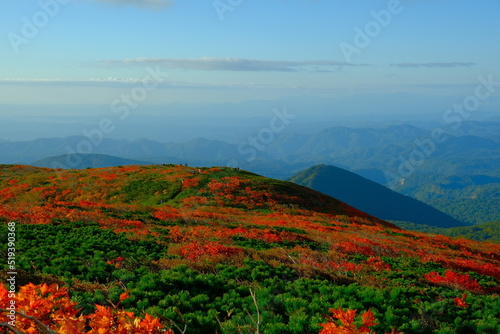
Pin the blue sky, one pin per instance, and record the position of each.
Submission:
(92, 51)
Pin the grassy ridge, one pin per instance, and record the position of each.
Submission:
(191, 246)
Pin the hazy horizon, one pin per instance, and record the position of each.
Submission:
(171, 71)
(60, 52)
(232, 121)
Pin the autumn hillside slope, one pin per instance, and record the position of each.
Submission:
(219, 250)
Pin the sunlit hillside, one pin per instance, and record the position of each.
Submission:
(221, 250)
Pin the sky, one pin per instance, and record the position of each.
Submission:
(158, 52)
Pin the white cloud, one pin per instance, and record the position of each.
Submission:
(234, 64)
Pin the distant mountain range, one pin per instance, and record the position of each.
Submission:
(371, 197)
(354, 148)
(460, 175)
(86, 161)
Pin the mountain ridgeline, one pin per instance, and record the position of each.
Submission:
(86, 161)
(371, 197)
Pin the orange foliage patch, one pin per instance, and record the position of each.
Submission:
(460, 301)
(345, 323)
(195, 251)
(52, 307)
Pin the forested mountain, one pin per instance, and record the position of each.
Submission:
(482, 232)
(371, 197)
(222, 250)
(472, 203)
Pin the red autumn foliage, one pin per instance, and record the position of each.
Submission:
(463, 264)
(208, 221)
(460, 301)
(175, 234)
(195, 251)
(353, 248)
(53, 308)
(455, 280)
(167, 214)
(345, 266)
(192, 182)
(376, 263)
(345, 323)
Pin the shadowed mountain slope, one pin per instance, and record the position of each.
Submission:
(371, 197)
